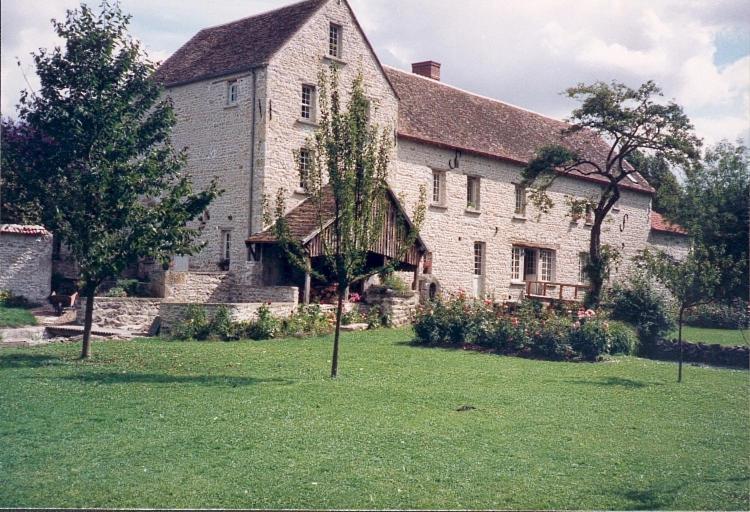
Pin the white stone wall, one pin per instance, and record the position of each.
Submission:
(450, 232)
(218, 139)
(298, 63)
(26, 265)
(133, 314)
(677, 246)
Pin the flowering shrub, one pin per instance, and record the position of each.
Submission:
(529, 331)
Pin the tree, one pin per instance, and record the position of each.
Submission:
(658, 172)
(715, 209)
(115, 189)
(692, 281)
(628, 120)
(346, 182)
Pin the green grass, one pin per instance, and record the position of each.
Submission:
(710, 336)
(16, 317)
(259, 424)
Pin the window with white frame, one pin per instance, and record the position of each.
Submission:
(472, 192)
(520, 200)
(334, 40)
(308, 102)
(516, 264)
(233, 90)
(546, 262)
(478, 258)
(583, 260)
(304, 169)
(438, 188)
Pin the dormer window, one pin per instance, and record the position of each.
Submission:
(233, 90)
(308, 98)
(334, 40)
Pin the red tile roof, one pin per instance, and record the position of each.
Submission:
(439, 114)
(659, 223)
(24, 229)
(237, 46)
(303, 221)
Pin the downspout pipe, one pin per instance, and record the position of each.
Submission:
(252, 159)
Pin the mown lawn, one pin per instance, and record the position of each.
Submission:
(720, 336)
(259, 424)
(16, 317)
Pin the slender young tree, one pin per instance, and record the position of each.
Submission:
(346, 182)
(692, 281)
(628, 120)
(114, 183)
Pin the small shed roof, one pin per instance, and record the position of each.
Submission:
(24, 229)
(662, 225)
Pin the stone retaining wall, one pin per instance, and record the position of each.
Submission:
(26, 264)
(173, 313)
(399, 309)
(131, 314)
(720, 355)
(198, 286)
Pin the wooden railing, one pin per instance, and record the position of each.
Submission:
(561, 291)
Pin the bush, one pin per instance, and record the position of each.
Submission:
(640, 305)
(267, 326)
(623, 339)
(732, 315)
(10, 300)
(591, 340)
(552, 339)
(195, 326)
(353, 316)
(308, 320)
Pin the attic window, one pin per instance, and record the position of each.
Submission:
(232, 92)
(334, 40)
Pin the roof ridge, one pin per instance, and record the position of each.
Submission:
(262, 13)
(471, 93)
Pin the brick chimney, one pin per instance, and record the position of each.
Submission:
(428, 68)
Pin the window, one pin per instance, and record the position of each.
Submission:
(226, 244)
(516, 264)
(583, 260)
(308, 97)
(304, 169)
(472, 192)
(546, 259)
(529, 264)
(520, 200)
(478, 256)
(334, 40)
(438, 188)
(589, 219)
(232, 92)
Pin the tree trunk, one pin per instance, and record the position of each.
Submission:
(679, 343)
(596, 272)
(87, 320)
(335, 359)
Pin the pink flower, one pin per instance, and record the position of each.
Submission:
(581, 314)
(590, 313)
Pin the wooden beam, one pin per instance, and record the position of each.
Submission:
(308, 279)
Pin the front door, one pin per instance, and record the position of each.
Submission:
(478, 276)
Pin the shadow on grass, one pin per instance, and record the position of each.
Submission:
(160, 378)
(28, 360)
(650, 499)
(616, 381)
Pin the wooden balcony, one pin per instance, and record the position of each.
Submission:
(543, 290)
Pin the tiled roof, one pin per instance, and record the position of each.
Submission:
(237, 46)
(442, 115)
(302, 220)
(24, 229)
(659, 223)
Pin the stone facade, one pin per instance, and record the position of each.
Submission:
(249, 148)
(216, 287)
(131, 314)
(676, 245)
(26, 263)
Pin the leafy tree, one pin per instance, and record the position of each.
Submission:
(692, 281)
(715, 208)
(114, 178)
(347, 185)
(658, 172)
(628, 120)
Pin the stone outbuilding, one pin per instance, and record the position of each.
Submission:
(26, 261)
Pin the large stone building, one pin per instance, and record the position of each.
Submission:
(246, 100)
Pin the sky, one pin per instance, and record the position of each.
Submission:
(524, 52)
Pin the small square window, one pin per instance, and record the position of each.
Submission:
(308, 99)
(334, 40)
(232, 92)
(520, 200)
(304, 169)
(472, 192)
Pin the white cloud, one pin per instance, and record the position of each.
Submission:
(519, 51)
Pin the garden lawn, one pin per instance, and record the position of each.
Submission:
(710, 336)
(259, 424)
(16, 317)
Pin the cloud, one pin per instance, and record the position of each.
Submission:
(522, 52)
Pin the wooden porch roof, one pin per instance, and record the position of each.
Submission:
(304, 225)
